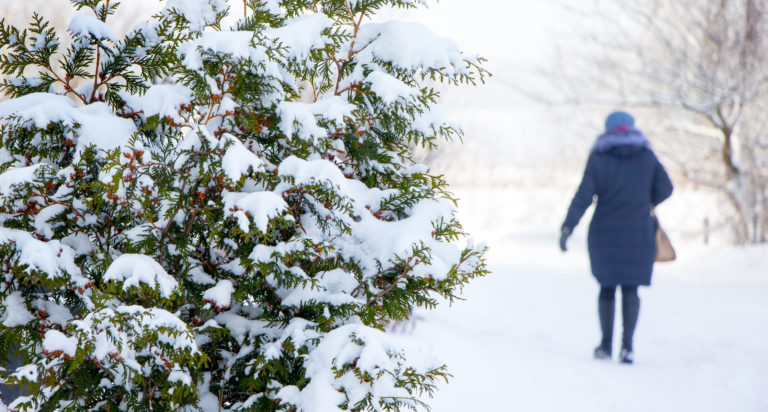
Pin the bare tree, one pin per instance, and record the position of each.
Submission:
(702, 65)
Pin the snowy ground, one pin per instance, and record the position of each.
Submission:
(523, 339)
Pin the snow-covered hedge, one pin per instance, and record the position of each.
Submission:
(200, 217)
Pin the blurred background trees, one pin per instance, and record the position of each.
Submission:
(699, 67)
(60, 12)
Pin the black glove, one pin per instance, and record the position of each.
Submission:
(565, 232)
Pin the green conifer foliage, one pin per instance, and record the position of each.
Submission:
(203, 218)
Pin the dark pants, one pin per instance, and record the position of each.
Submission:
(630, 310)
(9, 393)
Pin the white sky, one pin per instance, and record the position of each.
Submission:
(498, 29)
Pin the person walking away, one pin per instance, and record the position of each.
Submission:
(626, 179)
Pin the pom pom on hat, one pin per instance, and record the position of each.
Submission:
(619, 121)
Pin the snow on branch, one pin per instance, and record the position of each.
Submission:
(96, 123)
(220, 296)
(17, 176)
(53, 258)
(15, 311)
(198, 13)
(409, 46)
(234, 44)
(131, 269)
(298, 118)
(86, 25)
(160, 99)
(301, 35)
(259, 206)
(55, 343)
(352, 356)
(238, 160)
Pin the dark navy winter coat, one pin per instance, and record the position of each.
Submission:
(626, 180)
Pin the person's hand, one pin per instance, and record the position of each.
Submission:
(565, 232)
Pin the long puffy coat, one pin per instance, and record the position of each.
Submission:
(626, 180)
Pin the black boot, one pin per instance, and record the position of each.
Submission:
(605, 310)
(630, 311)
(626, 356)
(602, 352)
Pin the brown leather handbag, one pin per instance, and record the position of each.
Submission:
(664, 250)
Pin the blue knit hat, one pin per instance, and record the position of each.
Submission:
(616, 120)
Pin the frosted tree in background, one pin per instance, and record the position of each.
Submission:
(701, 63)
(239, 236)
(60, 12)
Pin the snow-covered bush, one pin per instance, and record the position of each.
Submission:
(196, 217)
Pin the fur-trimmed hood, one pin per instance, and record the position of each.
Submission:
(626, 137)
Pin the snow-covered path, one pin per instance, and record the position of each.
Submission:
(522, 340)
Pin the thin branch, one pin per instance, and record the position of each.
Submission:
(393, 285)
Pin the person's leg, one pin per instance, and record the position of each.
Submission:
(630, 311)
(606, 304)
